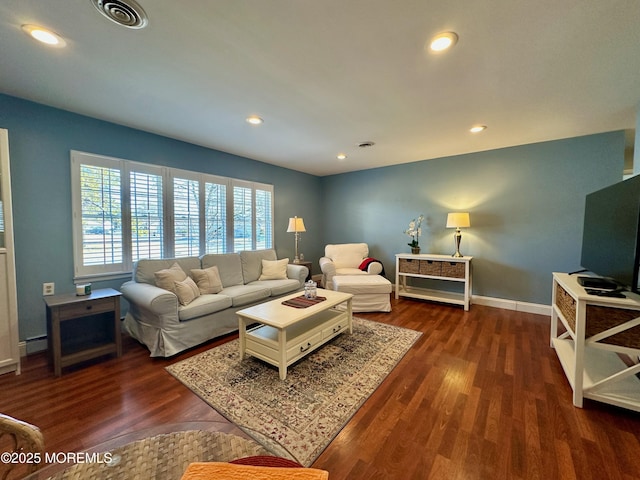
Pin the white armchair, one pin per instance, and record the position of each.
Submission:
(347, 259)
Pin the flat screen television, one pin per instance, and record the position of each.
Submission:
(611, 237)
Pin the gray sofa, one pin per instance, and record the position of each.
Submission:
(157, 319)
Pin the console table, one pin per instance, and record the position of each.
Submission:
(85, 342)
(593, 332)
(435, 267)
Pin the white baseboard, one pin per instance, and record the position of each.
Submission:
(512, 305)
(33, 345)
(515, 305)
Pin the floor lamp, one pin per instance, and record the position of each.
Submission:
(296, 225)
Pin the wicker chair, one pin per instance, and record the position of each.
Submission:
(20, 437)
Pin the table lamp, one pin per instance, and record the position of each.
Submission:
(296, 225)
(458, 220)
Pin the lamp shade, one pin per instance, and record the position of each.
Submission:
(458, 220)
(296, 224)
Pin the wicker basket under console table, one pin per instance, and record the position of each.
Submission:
(592, 334)
(434, 267)
(101, 306)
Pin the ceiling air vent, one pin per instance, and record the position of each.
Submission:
(126, 13)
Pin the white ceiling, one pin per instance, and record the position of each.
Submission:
(328, 75)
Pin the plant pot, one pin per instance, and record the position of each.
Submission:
(415, 250)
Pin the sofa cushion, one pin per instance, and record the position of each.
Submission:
(187, 291)
(274, 269)
(229, 267)
(252, 263)
(167, 277)
(246, 294)
(145, 268)
(278, 287)
(207, 279)
(347, 254)
(204, 305)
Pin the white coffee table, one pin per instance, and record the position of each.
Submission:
(286, 334)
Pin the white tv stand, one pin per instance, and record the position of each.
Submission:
(434, 267)
(598, 344)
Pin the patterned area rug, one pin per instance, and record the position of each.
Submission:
(298, 417)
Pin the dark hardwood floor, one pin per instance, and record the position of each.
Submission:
(480, 395)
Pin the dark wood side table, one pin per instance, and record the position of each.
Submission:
(70, 331)
(304, 263)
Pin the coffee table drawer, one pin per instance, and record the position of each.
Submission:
(335, 328)
(304, 347)
(261, 343)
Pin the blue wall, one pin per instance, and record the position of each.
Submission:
(526, 202)
(40, 140)
(526, 207)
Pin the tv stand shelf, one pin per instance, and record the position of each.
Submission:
(597, 340)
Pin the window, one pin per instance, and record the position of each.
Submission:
(215, 216)
(124, 211)
(147, 215)
(186, 217)
(264, 216)
(242, 218)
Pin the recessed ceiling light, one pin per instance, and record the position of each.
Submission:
(443, 41)
(254, 120)
(478, 128)
(341, 156)
(43, 35)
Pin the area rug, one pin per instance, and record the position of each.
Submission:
(298, 417)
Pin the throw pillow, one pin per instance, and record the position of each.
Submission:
(187, 291)
(274, 269)
(166, 278)
(208, 280)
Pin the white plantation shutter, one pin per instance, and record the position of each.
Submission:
(97, 214)
(252, 216)
(215, 211)
(147, 215)
(242, 218)
(186, 214)
(124, 211)
(264, 219)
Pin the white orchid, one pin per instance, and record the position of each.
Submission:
(414, 231)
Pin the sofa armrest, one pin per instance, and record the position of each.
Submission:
(297, 272)
(375, 268)
(327, 266)
(151, 298)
